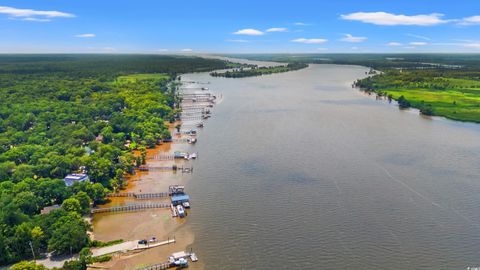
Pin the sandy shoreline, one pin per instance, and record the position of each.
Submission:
(157, 223)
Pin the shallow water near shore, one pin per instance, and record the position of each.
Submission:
(299, 170)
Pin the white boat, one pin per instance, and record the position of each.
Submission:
(193, 155)
(186, 205)
(181, 262)
(180, 211)
(193, 257)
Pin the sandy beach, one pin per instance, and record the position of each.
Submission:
(157, 223)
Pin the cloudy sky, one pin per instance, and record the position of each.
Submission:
(158, 26)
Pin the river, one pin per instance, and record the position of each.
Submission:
(299, 170)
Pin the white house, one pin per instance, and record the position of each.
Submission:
(75, 177)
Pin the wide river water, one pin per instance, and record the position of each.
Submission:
(300, 171)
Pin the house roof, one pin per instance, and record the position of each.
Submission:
(183, 197)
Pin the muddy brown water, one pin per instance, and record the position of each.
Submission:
(300, 171)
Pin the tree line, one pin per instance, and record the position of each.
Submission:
(67, 113)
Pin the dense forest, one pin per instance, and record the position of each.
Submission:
(259, 71)
(70, 113)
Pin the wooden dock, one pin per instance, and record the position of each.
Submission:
(159, 266)
(196, 94)
(199, 107)
(131, 207)
(162, 157)
(139, 196)
(167, 168)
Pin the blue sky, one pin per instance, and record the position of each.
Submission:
(158, 26)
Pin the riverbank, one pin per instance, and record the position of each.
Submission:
(449, 93)
(259, 71)
(157, 223)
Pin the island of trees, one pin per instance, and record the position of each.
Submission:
(259, 71)
(68, 113)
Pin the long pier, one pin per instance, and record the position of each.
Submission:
(193, 106)
(130, 208)
(139, 195)
(159, 266)
(181, 169)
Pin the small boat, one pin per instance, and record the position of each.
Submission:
(181, 262)
(193, 155)
(180, 211)
(192, 140)
(200, 124)
(193, 257)
(186, 205)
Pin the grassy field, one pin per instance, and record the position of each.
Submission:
(136, 78)
(454, 98)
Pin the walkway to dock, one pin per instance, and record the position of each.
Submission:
(199, 107)
(166, 168)
(130, 208)
(128, 246)
(162, 157)
(139, 195)
(196, 94)
(159, 266)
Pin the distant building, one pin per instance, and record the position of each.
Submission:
(75, 177)
(49, 209)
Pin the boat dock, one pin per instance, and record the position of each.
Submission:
(177, 260)
(131, 208)
(139, 195)
(166, 168)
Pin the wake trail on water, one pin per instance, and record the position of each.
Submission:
(455, 211)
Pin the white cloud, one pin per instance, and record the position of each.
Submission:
(418, 43)
(238, 40)
(300, 24)
(33, 15)
(30, 19)
(310, 40)
(472, 45)
(350, 38)
(384, 18)
(249, 32)
(85, 35)
(187, 50)
(470, 20)
(277, 29)
(418, 36)
(394, 44)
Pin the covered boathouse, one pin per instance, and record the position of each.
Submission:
(179, 199)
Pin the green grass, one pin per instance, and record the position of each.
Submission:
(453, 98)
(135, 78)
(451, 104)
